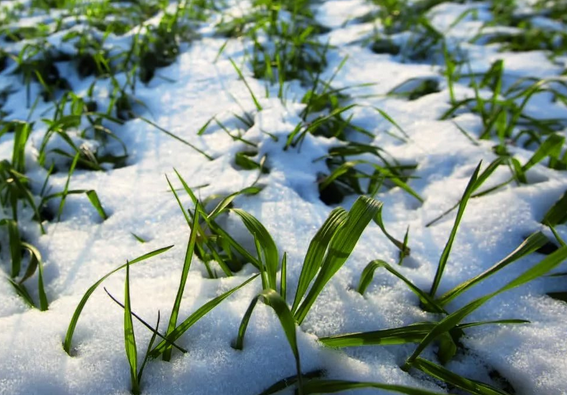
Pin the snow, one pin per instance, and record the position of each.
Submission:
(81, 248)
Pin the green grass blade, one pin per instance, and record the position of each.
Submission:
(225, 203)
(75, 318)
(95, 201)
(449, 322)
(271, 298)
(531, 244)
(66, 188)
(15, 241)
(256, 103)
(557, 214)
(283, 278)
(129, 337)
(333, 386)
(368, 274)
(391, 120)
(187, 143)
(143, 322)
(316, 252)
(290, 381)
(36, 261)
(550, 147)
(340, 248)
(23, 293)
(447, 250)
(445, 375)
(413, 333)
(268, 248)
(194, 318)
(149, 348)
(182, 282)
(404, 249)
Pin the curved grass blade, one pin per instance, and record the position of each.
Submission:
(182, 282)
(316, 252)
(557, 214)
(404, 249)
(341, 246)
(445, 375)
(129, 336)
(15, 241)
(368, 274)
(333, 386)
(550, 147)
(194, 318)
(413, 333)
(256, 103)
(176, 137)
(154, 331)
(531, 244)
(289, 381)
(95, 201)
(75, 318)
(268, 250)
(472, 185)
(277, 303)
(36, 262)
(449, 322)
(23, 293)
(486, 173)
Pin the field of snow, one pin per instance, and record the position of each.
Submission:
(360, 83)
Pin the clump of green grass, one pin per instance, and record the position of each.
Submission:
(503, 114)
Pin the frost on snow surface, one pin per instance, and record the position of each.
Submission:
(201, 84)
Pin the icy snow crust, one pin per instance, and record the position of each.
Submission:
(80, 249)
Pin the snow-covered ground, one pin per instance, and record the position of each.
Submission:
(81, 248)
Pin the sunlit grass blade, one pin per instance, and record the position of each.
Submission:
(391, 120)
(482, 177)
(341, 246)
(453, 319)
(404, 249)
(194, 318)
(15, 241)
(256, 103)
(557, 214)
(447, 250)
(290, 381)
(129, 336)
(445, 375)
(143, 322)
(36, 262)
(277, 303)
(283, 278)
(368, 274)
(149, 348)
(182, 282)
(177, 138)
(95, 201)
(268, 254)
(413, 333)
(226, 202)
(531, 244)
(551, 147)
(316, 252)
(75, 318)
(66, 188)
(23, 293)
(333, 386)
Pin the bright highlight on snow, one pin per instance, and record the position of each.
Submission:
(278, 196)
